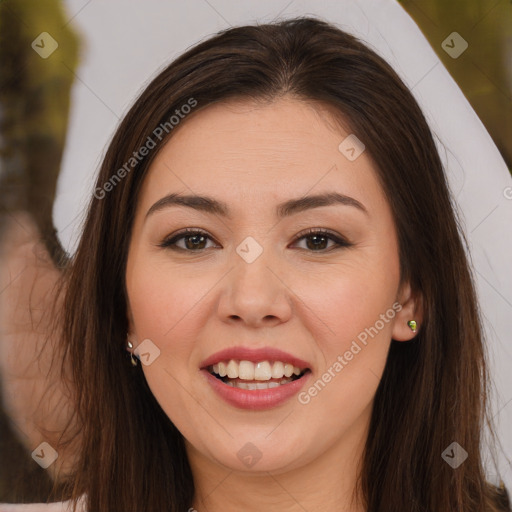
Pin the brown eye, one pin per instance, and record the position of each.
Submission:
(194, 241)
(317, 240)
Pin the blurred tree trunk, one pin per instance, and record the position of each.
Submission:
(34, 107)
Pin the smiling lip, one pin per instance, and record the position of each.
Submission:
(254, 355)
(257, 399)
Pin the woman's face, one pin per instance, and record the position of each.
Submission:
(256, 296)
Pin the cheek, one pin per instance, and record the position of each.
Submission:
(352, 298)
(161, 300)
(163, 308)
(357, 307)
(360, 318)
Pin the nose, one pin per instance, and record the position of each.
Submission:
(255, 294)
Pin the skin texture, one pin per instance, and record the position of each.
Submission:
(310, 302)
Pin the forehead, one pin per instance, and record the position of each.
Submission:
(258, 152)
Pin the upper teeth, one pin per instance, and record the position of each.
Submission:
(247, 370)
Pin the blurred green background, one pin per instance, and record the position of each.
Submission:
(484, 70)
(35, 102)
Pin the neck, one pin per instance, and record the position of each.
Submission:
(325, 483)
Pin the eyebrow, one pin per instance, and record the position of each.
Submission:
(291, 207)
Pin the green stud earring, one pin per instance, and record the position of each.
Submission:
(412, 324)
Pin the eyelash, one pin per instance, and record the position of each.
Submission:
(170, 243)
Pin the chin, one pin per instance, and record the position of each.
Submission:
(279, 455)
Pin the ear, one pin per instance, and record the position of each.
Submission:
(412, 309)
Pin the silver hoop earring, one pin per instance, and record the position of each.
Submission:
(133, 359)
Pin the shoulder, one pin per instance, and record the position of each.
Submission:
(58, 506)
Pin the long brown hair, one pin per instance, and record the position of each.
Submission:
(434, 389)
